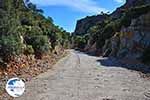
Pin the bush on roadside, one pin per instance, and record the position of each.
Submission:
(79, 42)
(29, 50)
(10, 46)
(39, 43)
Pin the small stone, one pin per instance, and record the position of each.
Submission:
(96, 79)
(98, 75)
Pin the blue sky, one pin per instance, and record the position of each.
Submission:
(65, 13)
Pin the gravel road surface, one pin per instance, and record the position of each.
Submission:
(79, 76)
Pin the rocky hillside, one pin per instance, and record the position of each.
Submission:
(127, 5)
(84, 24)
(123, 34)
(131, 41)
(30, 43)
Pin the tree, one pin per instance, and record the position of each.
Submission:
(34, 8)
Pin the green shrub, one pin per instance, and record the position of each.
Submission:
(29, 50)
(133, 13)
(10, 46)
(39, 43)
(109, 30)
(79, 42)
(34, 30)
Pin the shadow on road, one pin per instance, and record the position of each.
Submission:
(88, 53)
(113, 62)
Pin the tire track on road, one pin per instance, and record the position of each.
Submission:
(78, 64)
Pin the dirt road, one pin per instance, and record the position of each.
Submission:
(82, 77)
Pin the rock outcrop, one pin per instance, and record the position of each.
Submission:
(133, 40)
(129, 3)
(84, 24)
(124, 34)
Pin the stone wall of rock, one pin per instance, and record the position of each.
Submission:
(84, 24)
(131, 41)
(129, 3)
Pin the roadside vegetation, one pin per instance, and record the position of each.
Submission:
(25, 30)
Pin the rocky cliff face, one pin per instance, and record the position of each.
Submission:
(129, 3)
(84, 24)
(132, 41)
(124, 34)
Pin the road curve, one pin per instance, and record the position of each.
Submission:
(79, 76)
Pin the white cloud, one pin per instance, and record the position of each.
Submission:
(119, 1)
(87, 6)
